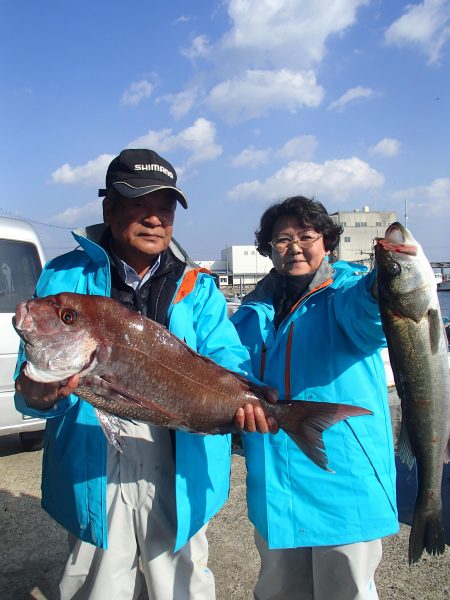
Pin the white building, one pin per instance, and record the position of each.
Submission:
(239, 266)
(361, 227)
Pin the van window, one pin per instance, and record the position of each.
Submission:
(20, 268)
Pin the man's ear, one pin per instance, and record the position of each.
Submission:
(107, 208)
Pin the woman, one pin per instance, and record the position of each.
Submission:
(314, 333)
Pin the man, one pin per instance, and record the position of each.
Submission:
(145, 510)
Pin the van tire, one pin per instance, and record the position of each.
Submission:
(32, 441)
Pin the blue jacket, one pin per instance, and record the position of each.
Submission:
(326, 349)
(74, 462)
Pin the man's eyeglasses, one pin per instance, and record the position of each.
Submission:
(283, 241)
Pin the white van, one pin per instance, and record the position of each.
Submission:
(21, 261)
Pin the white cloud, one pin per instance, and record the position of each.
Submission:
(334, 179)
(92, 173)
(351, 95)
(181, 103)
(286, 32)
(266, 60)
(199, 140)
(434, 198)
(199, 48)
(256, 92)
(75, 215)
(250, 157)
(182, 19)
(426, 25)
(301, 147)
(137, 92)
(386, 147)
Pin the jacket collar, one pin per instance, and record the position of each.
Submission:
(89, 239)
(265, 289)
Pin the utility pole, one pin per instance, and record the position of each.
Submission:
(406, 213)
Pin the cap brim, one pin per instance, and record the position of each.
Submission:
(129, 191)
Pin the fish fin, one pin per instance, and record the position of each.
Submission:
(304, 422)
(111, 427)
(427, 533)
(435, 325)
(404, 448)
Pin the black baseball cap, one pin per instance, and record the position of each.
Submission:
(136, 172)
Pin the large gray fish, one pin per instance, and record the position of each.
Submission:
(417, 346)
(135, 368)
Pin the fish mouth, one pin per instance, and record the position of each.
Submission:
(16, 327)
(20, 332)
(388, 246)
(395, 240)
(396, 233)
(90, 365)
(22, 321)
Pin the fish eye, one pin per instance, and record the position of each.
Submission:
(68, 316)
(394, 269)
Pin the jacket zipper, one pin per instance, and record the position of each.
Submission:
(287, 372)
(263, 361)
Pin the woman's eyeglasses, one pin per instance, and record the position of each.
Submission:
(283, 241)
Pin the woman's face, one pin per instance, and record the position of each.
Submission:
(295, 259)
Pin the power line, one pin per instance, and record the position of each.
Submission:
(7, 213)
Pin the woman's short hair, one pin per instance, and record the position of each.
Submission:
(308, 213)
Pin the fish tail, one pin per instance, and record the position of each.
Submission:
(427, 533)
(304, 422)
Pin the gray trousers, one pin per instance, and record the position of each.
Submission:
(139, 561)
(321, 573)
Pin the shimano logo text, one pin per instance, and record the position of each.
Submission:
(154, 167)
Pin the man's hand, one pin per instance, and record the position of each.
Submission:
(44, 395)
(251, 419)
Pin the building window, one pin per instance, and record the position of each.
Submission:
(245, 252)
(346, 239)
(378, 224)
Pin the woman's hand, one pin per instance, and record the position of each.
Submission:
(252, 418)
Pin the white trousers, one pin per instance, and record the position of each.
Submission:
(321, 573)
(141, 532)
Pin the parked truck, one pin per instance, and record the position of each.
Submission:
(21, 262)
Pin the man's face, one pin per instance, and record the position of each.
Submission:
(141, 228)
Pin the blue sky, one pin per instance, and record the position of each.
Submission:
(251, 100)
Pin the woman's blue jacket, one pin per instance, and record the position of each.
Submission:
(74, 461)
(327, 349)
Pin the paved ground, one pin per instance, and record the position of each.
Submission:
(33, 547)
